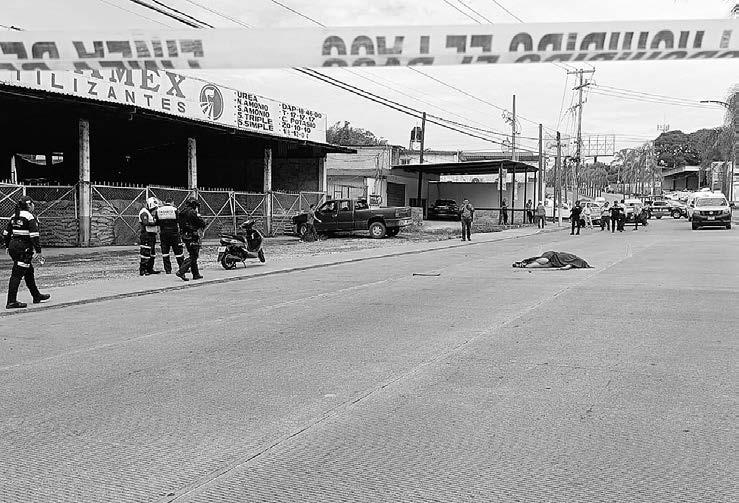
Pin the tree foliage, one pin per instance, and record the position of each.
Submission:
(345, 134)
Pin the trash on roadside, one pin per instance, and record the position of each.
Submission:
(427, 274)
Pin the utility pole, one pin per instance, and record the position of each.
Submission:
(513, 158)
(542, 168)
(578, 158)
(557, 188)
(420, 161)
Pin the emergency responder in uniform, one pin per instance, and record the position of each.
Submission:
(190, 226)
(169, 235)
(21, 237)
(148, 237)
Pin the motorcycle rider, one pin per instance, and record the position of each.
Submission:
(169, 235)
(21, 237)
(148, 237)
(191, 224)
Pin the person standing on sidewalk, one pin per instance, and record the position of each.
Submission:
(530, 211)
(541, 215)
(503, 215)
(575, 213)
(310, 225)
(466, 215)
(615, 216)
(605, 217)
(169, 235)
(21, 237)
(191, 224)
(148, 237)
(587, 214)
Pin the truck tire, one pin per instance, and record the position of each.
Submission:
(658, 217)
(728, 226)
(393, 231)
(300, 230)
(694, 226)
(676, 215)
(377, 230)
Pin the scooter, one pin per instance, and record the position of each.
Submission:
(239, 247)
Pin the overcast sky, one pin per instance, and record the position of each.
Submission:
(543, 92)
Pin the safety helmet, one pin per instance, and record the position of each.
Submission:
(152, 203)
(24, 202)
(248, 224)
(192, 202)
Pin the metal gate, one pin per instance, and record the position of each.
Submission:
(216, 208)
(114, 216)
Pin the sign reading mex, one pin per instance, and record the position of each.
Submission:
(179, 95)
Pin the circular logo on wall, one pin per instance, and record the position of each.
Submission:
(211, 102)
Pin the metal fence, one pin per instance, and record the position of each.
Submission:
(114, 210)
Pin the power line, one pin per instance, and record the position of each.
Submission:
(165, 13)
(650, 95)
(450, 4)
(182, 13)
(629, 97)
(391, 104)
(473, 10)
(298, 13)
(509, 12)
(225, 16)
(135, 13)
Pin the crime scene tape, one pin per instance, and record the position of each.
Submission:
(370, 46)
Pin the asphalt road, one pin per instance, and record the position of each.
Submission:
(366, 383)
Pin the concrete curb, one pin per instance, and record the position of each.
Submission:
(195, 284)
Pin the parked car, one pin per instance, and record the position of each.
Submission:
(631, 206)
(661, 208)
(709, 209)
(549, 208)
(443, 208)
(678, 209)
(349, 215)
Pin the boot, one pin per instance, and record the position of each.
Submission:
(150, 267)
(30, 278)
(195, 270)
(15, 280)
(167, 264)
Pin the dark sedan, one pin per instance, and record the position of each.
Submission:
(444, 208)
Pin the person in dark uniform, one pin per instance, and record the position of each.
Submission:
(169, 235)
(615, 216)
(21, 237)
(575, 218)
(190, 225)
(148, 237)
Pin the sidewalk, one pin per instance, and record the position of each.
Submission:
(108, 289)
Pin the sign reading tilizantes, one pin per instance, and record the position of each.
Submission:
(174, 94)
(370, 46)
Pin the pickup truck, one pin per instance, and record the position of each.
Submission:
(349, 215)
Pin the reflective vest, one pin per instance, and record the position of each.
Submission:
(167, 218)
(146, 219)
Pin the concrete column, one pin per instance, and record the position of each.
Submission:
(13, 170)
(192, 166)
(84, 182)
(268, 190)
(322, 175)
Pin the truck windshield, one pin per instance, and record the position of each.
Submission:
(710, 201)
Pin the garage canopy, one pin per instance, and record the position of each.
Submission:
(490, 167)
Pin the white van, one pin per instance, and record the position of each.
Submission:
(706, 208)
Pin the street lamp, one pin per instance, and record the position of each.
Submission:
(733, 150)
